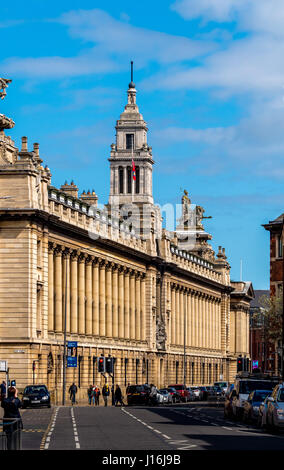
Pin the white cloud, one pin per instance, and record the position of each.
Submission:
(255, 146)
(250, 15)
(118, 37)
(107, 46)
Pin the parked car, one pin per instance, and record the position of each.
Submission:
(174, 394)
(218, 392)
(36, 395)
(274, 415)
(138, 395)
(196, 392)
(245, 384)
(191, 394)
(203, 393)
(182, 391)
(211, 391)
(252, 404)
(165, 396)
(223, 385)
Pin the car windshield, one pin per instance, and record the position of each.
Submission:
(260, 395)
(281, 395)
(164, 392)
(220, 384)
(247, 386)
(36, 389)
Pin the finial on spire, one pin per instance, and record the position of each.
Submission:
(132, 84)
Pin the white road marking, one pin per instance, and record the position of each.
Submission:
(76, 438)
(47, 441)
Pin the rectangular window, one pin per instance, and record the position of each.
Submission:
(130, 141)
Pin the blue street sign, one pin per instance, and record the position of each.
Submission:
(72, 353)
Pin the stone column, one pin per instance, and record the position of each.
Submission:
(203, 320)
(126, 304)
(207, 300)
(177, 316)
(121, 302)
(74, 292)
(137, 308)
(173, 308)
(125, 180)
(89, 295)
(143, 307)
(96, 299)
(81, 295)
(181, 309)
(50, 287)
(209, 322)
(132, 305)
(66, 290)
(58, 289)
(102, 309)
(188, 319)
(109, 268)
(115, 301)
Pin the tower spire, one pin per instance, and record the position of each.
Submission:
(132, 70)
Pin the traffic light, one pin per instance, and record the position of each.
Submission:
(101, 364)
(109, 364)
(240, 364)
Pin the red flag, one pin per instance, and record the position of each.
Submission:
(134, 170)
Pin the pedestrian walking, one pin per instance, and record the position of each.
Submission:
(118, 398)
(90, 393)
(12, 421)
(3, 390)
(105, 393)
(73, 391)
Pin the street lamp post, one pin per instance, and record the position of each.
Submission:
(65, 325)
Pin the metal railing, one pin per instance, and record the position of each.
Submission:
(10, 434)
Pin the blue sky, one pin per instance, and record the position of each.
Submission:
(210, 81)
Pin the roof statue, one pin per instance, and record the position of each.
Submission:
(3, 85)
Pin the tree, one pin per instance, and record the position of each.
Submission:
(270, 317)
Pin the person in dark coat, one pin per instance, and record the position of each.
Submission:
(105, 393)
(12, 420)
(118, 396)
(73, 391)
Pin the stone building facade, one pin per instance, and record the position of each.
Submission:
(139, 297)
